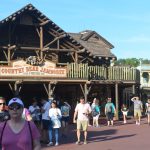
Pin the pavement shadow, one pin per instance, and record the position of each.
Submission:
(107, 136)
(93, 135)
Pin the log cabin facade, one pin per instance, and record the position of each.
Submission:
(39, 59)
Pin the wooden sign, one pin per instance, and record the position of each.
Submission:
(21, 69)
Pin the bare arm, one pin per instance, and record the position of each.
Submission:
(36, 144)
(132, 99)
(74, 117)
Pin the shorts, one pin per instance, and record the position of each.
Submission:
(46, 124)
(109, 116)
(125, 113)
(96, 117)
(137, 113)
(65, 119)
(82, 125)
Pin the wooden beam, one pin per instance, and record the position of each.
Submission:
(12, 47)
(75, 47)
(85, 92)
(49, 90)
(45, 88)
(76, 57)
(12, 54)
(68, 46)
(58, 44)
(5, 55)
(4, 47)
(73, 57)
(29, 48)
(37, 30)
(11, 88)
(90, 54)
(81, 51)
(3, 62)
(83, 59)
(52, 33)
(41, 42)
(59, 50)
(133, 88)
(62, 36)
(9, 57)
(37, 54)
(44, 23)
(56, 33)
(82, 89)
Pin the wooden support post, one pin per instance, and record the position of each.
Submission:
(9, 57)
(76, 57)
(117, 101)
(50, 92)
(85, 92)
(58, 44)
(133, 88)
(16, 90)
(41, 42)
(50, 89)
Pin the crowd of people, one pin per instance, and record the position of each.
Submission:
(28, 128)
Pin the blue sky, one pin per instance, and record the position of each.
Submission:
(124, 23)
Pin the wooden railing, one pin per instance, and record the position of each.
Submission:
(83, 71)
(77, 71)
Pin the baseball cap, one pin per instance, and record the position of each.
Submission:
(15, 100)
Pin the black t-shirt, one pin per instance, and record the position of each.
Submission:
(4, 116)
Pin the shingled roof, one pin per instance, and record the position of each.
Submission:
(90, 40)
(94, 43)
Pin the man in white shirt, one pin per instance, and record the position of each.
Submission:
(138, 106)
(82, 111)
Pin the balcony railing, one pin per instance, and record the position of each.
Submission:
(83, 71)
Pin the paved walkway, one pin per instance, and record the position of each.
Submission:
(118, 137)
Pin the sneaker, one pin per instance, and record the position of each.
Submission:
(57, 144)
(85, 142)
(78, 142)
(50, 144)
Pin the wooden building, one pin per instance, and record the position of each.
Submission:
(39, 59)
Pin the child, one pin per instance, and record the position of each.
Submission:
(124, 112)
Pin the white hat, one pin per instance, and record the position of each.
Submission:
(15, 100)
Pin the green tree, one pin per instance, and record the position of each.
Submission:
(133, 62)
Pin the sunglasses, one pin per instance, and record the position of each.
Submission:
(2, 103)
(15, 107)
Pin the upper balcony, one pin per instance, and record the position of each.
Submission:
(116, 73)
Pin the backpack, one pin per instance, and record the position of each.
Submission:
(109, 108)
(94, 112)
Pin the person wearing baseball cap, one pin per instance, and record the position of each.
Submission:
(19, 130)
(17, 101)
